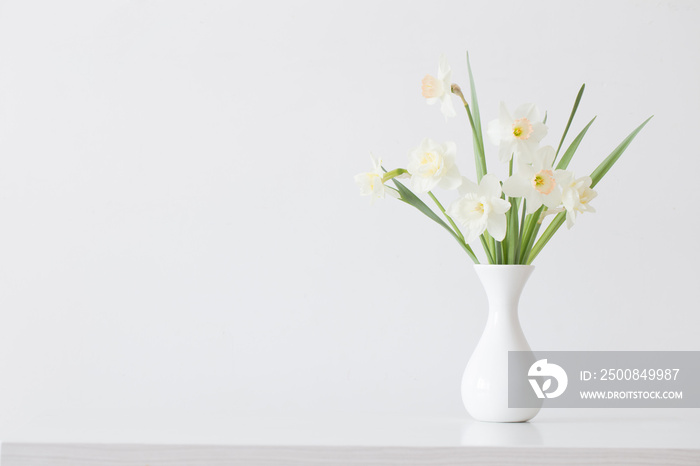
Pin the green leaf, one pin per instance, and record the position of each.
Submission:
(408, 197)
(610, 160)
(475, 121)
(566, 158)
(475, 102)
(530, 233)
(596, 176)
(546, 236)
(487, 248)
(513, 231)
(571, 118)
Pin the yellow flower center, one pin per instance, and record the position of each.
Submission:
(522, 128)
(433, 161)
(544, 182)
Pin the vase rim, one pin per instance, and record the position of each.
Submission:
(504, 265)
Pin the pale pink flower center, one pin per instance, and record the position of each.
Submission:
(544, 182)
(522, 128)
(431, 87)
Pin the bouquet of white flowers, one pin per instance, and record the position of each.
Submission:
(505, 216)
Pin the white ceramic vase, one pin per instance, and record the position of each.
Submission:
(485, 380)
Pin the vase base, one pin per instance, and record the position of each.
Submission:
(513, 415)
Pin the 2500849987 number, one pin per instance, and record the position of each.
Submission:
(639, 374)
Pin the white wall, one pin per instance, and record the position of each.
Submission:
(180, 230)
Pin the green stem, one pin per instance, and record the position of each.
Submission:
(487, 249)
(546, 236)
(530, 233)
(410, 198)
(520, 233)
(479, 153)
(449, 219)
(393, 174)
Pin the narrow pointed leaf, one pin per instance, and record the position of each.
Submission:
(596, 176)
(487, 249)
(475, 121)
(529, 234)
(566, 158)
(610, 160)
(410, 198)
(512, 232)
(475, 102)
(571, 118)
(546, 236)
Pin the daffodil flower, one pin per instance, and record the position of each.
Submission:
(372, 184)
(480, 209)
(518, 134)
(576, 194)
(440, 88)
(433, 165)
(536, 181)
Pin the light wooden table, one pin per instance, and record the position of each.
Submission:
(555, 437)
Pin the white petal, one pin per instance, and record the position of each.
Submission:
(552, 199)
(450, 151)
(467, 187)
(500, 206)
(363, 183)
(534, 201)
(504, 115)
(473, 230)
(563, 177)
(392, 192)
(523, 154)
(447, 108)
(497, 226)
(489, 186)
(494, 131)
(453, 210)
(451, 180)
(421, 184)
(528, 111)
(570, 218)
(539, 131)
(546, 156)
(516, 186)
(505, 150)
(443, 67)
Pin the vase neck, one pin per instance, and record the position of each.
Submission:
(503, 285)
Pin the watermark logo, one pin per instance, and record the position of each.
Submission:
(541, 369)
(604, 379)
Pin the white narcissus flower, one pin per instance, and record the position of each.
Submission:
(433, 165)
(440, 88)
(371, 183)
(480, 209)
(576, 194)
(520, 133)
(535, 182)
